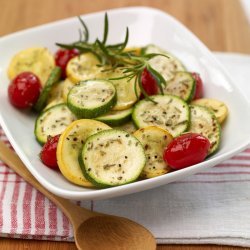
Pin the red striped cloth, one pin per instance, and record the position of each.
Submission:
(26, 213)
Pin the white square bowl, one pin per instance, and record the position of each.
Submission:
(146, 26)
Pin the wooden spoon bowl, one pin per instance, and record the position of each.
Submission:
(92, 230)
(113, 233)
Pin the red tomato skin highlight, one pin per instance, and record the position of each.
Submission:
(149, 83)
(62, 58)
(186, 150)
(24, 90)
(199, 90)
(48, 152)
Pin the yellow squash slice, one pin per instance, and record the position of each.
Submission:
(125, 91)
(134, 50)
(36, 60)
(219, 108)
(154, 141)
(67, 86)
(83, 67)
(56, 92)
(69, 146)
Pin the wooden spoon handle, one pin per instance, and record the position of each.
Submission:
(14, 162)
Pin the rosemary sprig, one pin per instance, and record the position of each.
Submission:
(114, 56)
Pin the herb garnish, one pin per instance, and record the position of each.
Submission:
(115, 56)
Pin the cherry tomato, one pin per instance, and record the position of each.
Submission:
(62, 58)
(198, 86)
(149, 83)
(186, 150)
(24, 90)
(48, 153)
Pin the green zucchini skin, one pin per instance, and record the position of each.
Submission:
(40, 134)
(116, 118)
(169, 112)
(204, 122)
(131, 160)
(182, 85)
(54, 77)
(81, 109)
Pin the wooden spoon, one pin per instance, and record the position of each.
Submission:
(92, 230)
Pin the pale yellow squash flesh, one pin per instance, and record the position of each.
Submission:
(154, 140)
(56, 92)
(36, 60)
(69, 146)
(84, 67)
(126, 96)
(219, 108)
(67, 86)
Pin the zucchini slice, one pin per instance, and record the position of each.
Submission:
(69, 146)
(54, 77)
(125, 90)
(204, 122)
(115, 118)
(39, 61)
(84, 67)
(52, 122)
(154, 140)
(182, 85)
(219, 108)
(169, 112)
(111, 158)
(91, 98)
(128, 127)
(165, 66)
